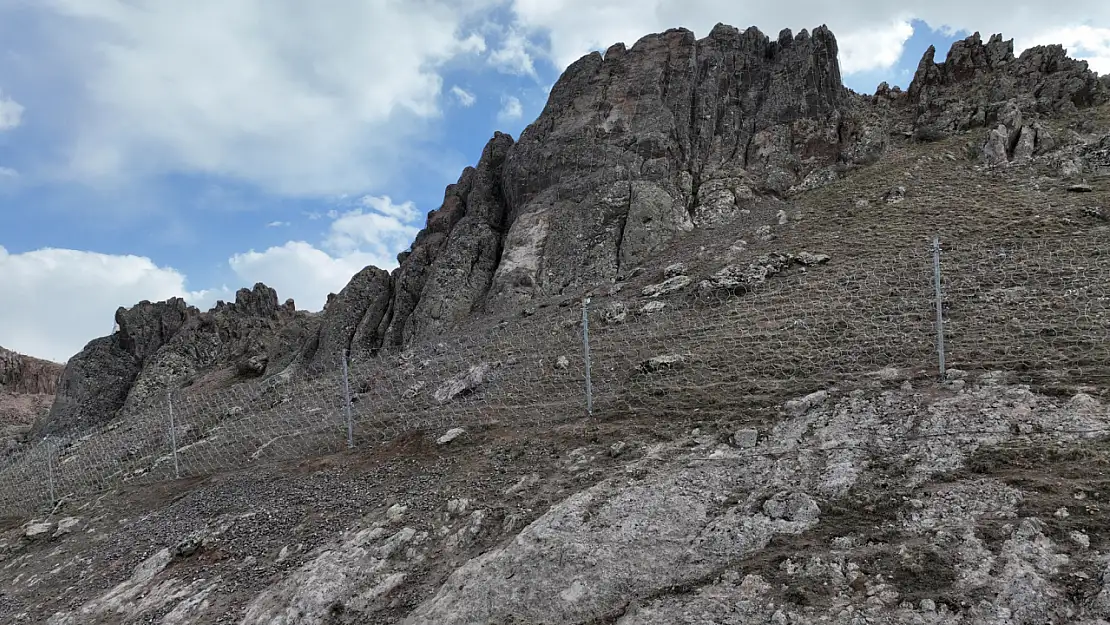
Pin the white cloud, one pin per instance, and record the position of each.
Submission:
(511, 109)
(8, 172)
(863, 51)
(301, 271)
(11, 113)
(385, 230)
(871, 33)
(404, 212)
(64, 298)
(1086, 42)
(371, 234)
(465, 97)
(293, 97)
(513, 56)
(277, 224)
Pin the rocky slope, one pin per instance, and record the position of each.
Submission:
(887, 496)
(634, 148)
(850, 507)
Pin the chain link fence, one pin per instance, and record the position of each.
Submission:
(745, 339)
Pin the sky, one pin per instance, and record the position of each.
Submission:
(153, 149)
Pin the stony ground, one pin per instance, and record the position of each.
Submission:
(911, 500)
(886, 496)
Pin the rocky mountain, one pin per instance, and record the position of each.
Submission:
(741, 483)
(635, 147)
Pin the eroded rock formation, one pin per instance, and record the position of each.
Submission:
(161, 346)
(27, 387)
(984, 85)
(633, 147)
(25, 375)
(640, 144)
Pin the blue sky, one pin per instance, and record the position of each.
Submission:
(149, 150)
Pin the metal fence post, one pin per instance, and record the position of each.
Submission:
(50, 472)
(939, 303)
(173, 437)
(586, 352)
(347, 404)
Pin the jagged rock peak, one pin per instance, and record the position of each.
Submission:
(260, 301)
(970, 59)
(158, 346)
(632, 147)
(147, 326)
(978, 83)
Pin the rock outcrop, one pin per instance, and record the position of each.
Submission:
(983, 85)
(633, 147)
(918, 505)
(352, 321)
(25, 375)
(163, 345)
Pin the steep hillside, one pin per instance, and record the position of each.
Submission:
(771, 438)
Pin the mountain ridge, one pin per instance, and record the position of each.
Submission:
(634, 147)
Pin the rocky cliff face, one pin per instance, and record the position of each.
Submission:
(641, 144)
(27, 387)
(163, 345)
(25, 375)
(633, 147)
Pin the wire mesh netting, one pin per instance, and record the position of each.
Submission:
(730, 342)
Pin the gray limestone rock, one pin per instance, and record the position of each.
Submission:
(464, 383)
(742, 279)
(1026, 145)
(995, 150)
